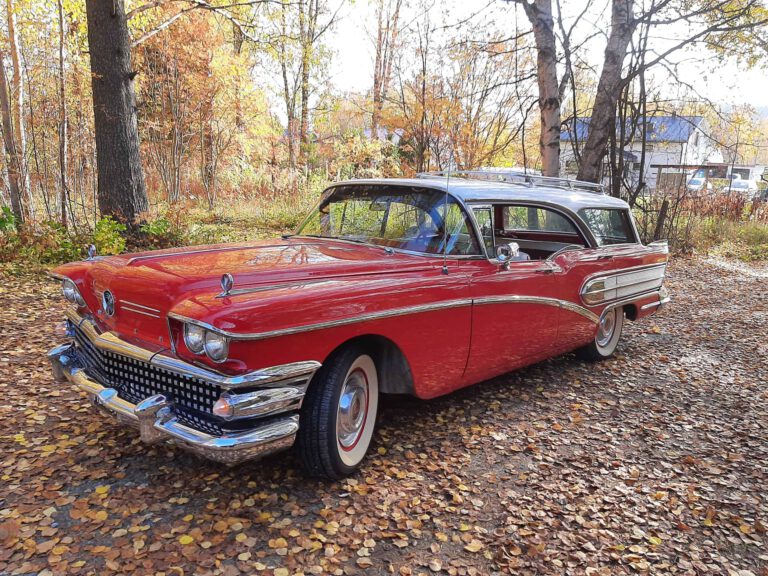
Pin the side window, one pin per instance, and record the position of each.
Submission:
(609, 226)
(484, 219)
(530, 219)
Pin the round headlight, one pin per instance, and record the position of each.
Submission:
(69, 290)
(216, 346)
(194, 338)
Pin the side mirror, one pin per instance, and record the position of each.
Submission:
(505, 253)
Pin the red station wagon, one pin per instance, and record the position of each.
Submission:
(410, 286)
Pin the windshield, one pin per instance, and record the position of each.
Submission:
(694, 182)
(406, 218)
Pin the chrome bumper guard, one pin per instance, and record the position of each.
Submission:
(663, 300)
(154, 416)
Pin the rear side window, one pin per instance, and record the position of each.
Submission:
(531, 219)
(609, 226)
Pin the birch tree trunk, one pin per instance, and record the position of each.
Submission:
(387, 22)
(63, 137)
(308, 12)
(603, 122)
(13, 161)
(17, 98)
(539, 14)
(121, 190)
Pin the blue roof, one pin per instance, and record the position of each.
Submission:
(659, 128)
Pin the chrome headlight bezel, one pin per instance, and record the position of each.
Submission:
(72, 293)
(216, 346)
(194, 338)
(202, 340)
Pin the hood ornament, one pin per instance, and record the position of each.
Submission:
(227, 281)
(91, 252)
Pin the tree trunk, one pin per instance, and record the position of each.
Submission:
(603, 121)
(63, 191)
(288, 95)
(11, 152)
(540, 16)
(386, 42)
(121, 189)
(17, 98)
(308, 11)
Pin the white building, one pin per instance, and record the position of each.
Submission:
(673, 144)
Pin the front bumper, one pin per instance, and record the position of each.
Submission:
(156, 421)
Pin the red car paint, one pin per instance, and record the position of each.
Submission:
(301, 282)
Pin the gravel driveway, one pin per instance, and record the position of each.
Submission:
(654, 462)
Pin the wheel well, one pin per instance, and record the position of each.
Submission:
(395, 375)
(630, 311)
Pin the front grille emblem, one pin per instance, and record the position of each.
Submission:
(108, 303)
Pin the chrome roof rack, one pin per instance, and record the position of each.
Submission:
(516, 177)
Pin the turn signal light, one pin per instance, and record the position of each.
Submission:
(223, 408)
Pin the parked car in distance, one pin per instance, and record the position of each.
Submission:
(699, 184)
(409, 286)
(747, 188)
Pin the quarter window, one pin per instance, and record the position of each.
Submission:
(530, 219)
(609, 226)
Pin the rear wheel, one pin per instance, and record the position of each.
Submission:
(339, 415)
(607, 338)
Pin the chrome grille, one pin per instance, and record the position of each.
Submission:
(136, 380)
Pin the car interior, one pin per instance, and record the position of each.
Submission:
(539, 232)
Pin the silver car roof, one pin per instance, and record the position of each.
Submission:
(470, 190)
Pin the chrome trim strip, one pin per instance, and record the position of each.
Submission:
(564, 304)
(156, 422)
(284, 374)
(603, 276)
(135, 311)
(392, 313)
(135, 305)
(371, 316)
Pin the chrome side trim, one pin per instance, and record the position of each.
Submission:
(135, 305)
(564, 304)
(142, 312)
(156, 422)
(391, 313)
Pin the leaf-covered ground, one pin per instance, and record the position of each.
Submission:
(656, 461)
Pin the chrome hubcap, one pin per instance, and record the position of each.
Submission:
(605, 330)
(353, 405)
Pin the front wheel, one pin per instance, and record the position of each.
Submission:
(339, 415)
(607, 338)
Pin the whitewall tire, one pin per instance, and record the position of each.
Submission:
(338, 416)
(607, 337)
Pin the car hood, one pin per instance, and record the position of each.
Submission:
(146, 286)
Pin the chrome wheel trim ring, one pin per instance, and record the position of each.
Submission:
(357, 445)
(352, 410)
(606, 328)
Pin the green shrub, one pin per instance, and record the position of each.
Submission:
(108, 236)
(7, 220)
